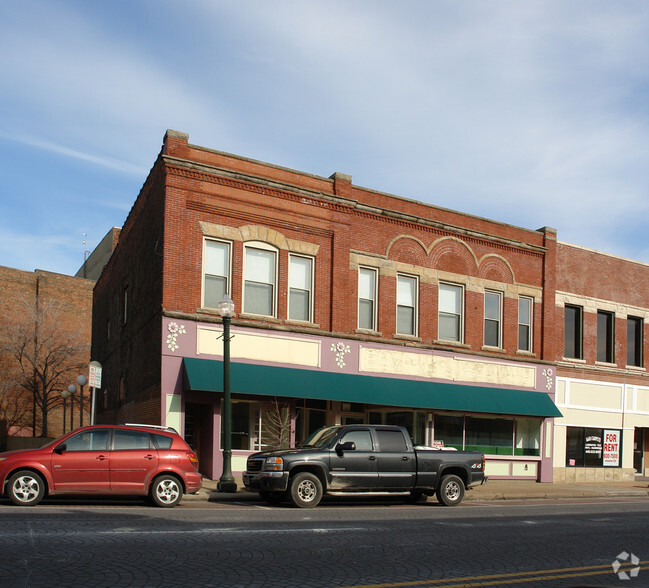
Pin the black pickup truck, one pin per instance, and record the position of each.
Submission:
(366, 460)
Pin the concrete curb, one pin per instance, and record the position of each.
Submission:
(497, 490)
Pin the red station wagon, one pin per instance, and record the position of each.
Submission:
(136, 460)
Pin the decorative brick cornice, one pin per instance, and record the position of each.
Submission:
(254, 184)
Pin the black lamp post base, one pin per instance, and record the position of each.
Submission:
(226, 486)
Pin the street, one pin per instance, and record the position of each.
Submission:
(555, 543)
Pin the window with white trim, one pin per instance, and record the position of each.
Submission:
(300, 288)
(367, 289)
(493, 312)
(216, 272)
(260, 278)
(525, 306)
(406, 305)
(451, 305)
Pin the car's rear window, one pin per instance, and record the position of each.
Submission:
(162, 441)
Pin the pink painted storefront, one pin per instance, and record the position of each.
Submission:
(504, 408)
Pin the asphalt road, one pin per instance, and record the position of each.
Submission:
(387, 544)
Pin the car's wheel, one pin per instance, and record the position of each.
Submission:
(306, 490)
(26, 488)
(272, 497)
(166, 491)
(451, 490)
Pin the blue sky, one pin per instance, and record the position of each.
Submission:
(531, 113)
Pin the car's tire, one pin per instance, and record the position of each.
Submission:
(273, 498)
(450, 491)
(26, 488)
(306, 490)
(166, 491)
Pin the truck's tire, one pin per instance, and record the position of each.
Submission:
(306, 490)
(450, 491)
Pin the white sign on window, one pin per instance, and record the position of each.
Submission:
(611, 453)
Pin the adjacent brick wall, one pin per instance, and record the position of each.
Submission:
(73, 299)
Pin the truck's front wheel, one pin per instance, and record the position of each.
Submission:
(450, 491)
(306, 490)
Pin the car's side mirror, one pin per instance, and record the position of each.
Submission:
(60, 448)
(346, 446)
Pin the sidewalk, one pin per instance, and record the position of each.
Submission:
(492, 490)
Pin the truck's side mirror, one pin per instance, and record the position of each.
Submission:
(346, 446)
(60, 448)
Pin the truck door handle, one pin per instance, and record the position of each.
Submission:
(404, 458)
(372, 458)
(102, 457)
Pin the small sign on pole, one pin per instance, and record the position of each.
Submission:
(94, 373)
(94, 379)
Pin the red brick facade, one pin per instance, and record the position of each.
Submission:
(70, 301)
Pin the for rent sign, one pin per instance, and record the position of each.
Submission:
(611, 449)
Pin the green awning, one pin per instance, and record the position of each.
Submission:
(207, 375)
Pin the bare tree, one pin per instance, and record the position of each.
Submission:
(276, 426)
(44, 355)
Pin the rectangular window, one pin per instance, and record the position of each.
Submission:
(634, 329)
(259, 281)
(367, 298)
(493, 304)
(593, 447)
(605, 336)
(125, 305)
(406, 305)
(450, 430)
(525, 306)
(492, 436)
(573, 332)
(528, 437)
(300, 280)
(216, 272)
(451, 304)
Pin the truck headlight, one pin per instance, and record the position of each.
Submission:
(274, 464)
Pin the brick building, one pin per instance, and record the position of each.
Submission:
(53, 311)
(351, 306)
(602, 380)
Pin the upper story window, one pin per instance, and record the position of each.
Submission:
(493, 308)
(525, 306)
(300, 288)
(216, 272)
(367, 289)
(573, 321)
(125, 303)
(260, 278)
(451, 305)
(406, 305)
(634, 339)
(605, 336)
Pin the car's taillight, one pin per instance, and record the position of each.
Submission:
(191, 456)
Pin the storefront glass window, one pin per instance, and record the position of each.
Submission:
(491, 436)
(450, 430)
(414, 421)
(528, 437)
(593, 447)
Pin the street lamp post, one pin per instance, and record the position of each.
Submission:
(71, 390)
(65, 395)
(226, 482)
(82, 381)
